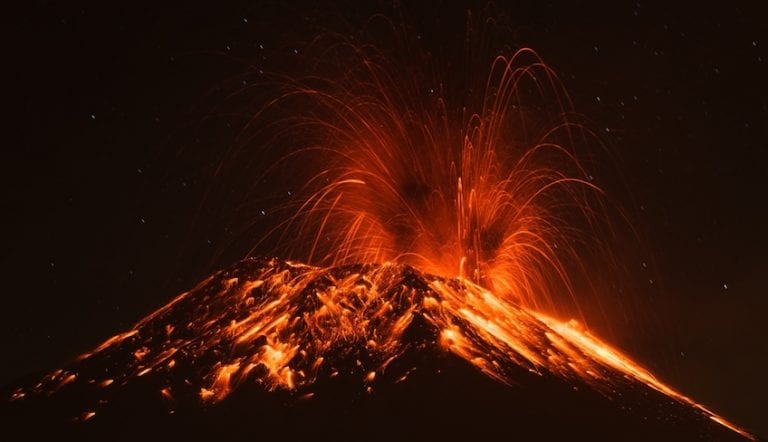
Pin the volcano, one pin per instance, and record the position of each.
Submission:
(271, 349)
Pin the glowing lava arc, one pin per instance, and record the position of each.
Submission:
(286, 325)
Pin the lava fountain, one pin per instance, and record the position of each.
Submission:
(417, 218)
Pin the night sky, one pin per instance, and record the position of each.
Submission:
(110, 137)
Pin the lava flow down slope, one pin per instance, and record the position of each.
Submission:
(334, 351)
(430, 232)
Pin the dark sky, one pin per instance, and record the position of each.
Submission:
(106, 111)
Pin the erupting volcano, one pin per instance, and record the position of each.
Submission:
(425, 238)
(287, 327)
